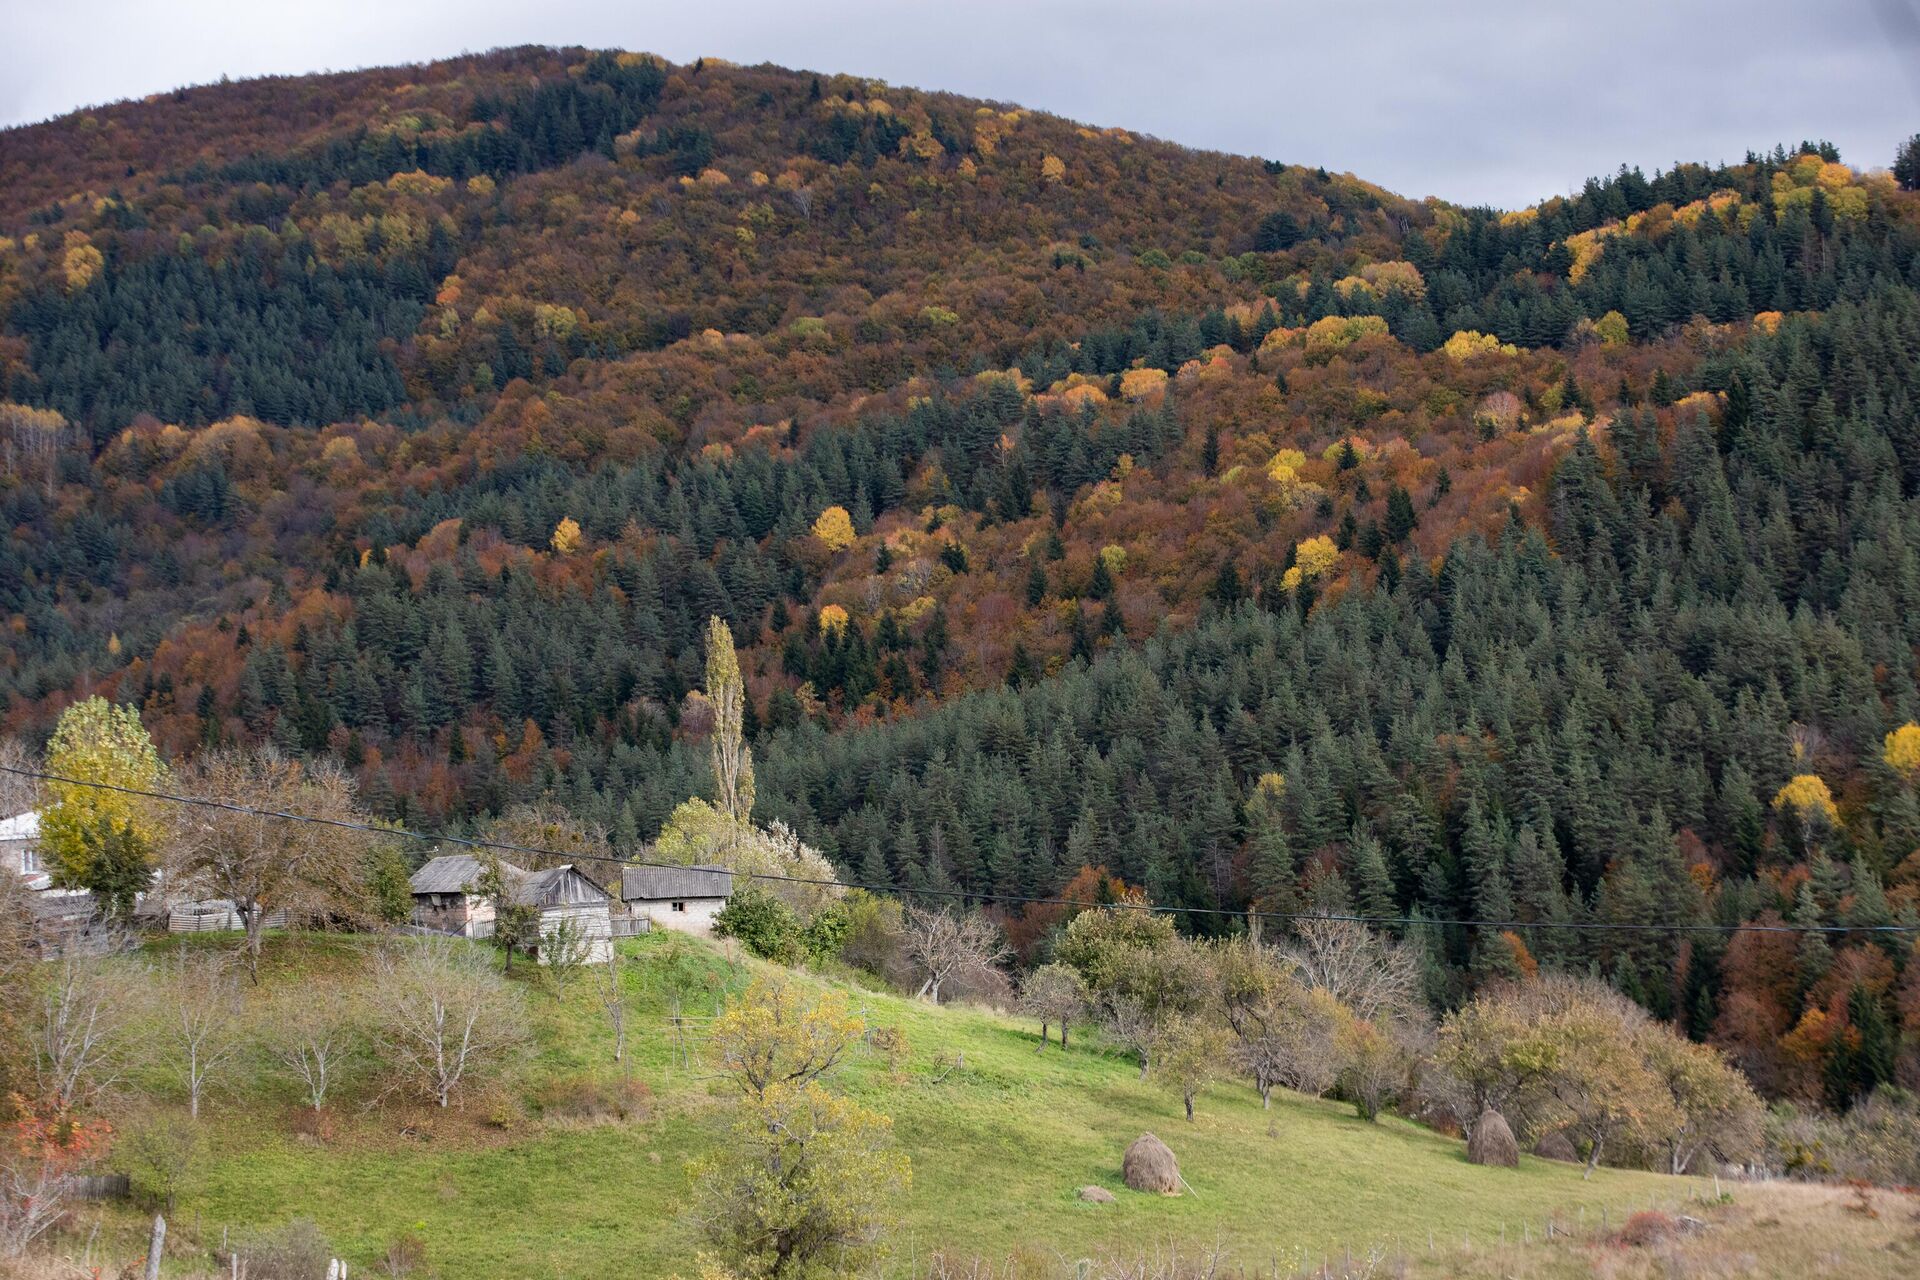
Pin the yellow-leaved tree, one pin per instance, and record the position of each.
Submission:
(1311, 559)
(1465, 344)
(1902, 751)
(806, 1182)
(834, 529)
(566, 536)
(1807, 798)
(95, 838)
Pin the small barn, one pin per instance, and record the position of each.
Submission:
(566, 898)
(682, 898)
(447, 899)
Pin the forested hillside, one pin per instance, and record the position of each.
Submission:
(1077, 499)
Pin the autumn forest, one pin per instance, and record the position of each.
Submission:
(1077, 500)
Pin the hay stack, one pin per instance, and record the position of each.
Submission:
(1492, 1142)
(1149, 1166)
(1556, 1146)
(1096, 1195)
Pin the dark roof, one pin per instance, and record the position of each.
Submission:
(559, 887)
(553, 887)
(653, 884)
(448, 873)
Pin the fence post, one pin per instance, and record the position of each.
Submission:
(155, 1243)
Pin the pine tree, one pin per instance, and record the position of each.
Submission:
(1366, 871)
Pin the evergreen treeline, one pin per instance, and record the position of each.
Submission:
(271, 331)
(549, 124)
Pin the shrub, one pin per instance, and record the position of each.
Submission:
(159, 1152)
(873, 933)
(588, 1098)
(406, 1254)
(763, 924)
(1648, 1227)
(296, 1251)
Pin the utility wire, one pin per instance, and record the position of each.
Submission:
(471, 842)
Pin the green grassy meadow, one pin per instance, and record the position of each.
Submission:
(1001, 1137)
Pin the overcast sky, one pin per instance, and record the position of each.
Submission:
(1496, 101)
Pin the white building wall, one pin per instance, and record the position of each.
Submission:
(22, 857)
(696, 919)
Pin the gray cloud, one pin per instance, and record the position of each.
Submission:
(1500, 101)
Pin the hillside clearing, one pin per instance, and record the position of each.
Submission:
(1001, 1138)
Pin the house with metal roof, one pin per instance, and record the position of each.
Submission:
(447, 899)
(681, 898)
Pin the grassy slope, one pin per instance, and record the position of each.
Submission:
(998, 1149)
(1787, 1230)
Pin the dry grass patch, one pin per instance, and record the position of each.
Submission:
(1769, 1231)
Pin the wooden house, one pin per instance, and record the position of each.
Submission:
(447, 899)
(568, 898)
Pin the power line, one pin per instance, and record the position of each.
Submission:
(472, 842)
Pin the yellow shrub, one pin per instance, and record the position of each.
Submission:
(1465, 344)
(1137, 384)
(1285, 466)
(1612, 329)
(1331, 334)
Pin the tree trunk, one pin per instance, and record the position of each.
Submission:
(1266, 1096)
(252, 921)
(1063, 1035)
(1593, 1156)
(1189, 1102)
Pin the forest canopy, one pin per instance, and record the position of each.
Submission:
(1076, 500)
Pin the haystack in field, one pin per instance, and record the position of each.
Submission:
(1097, 1195)
(1492, 1141)
(1556, 1146)
(1149, 1166)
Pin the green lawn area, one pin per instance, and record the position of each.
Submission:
(1000, 1136)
